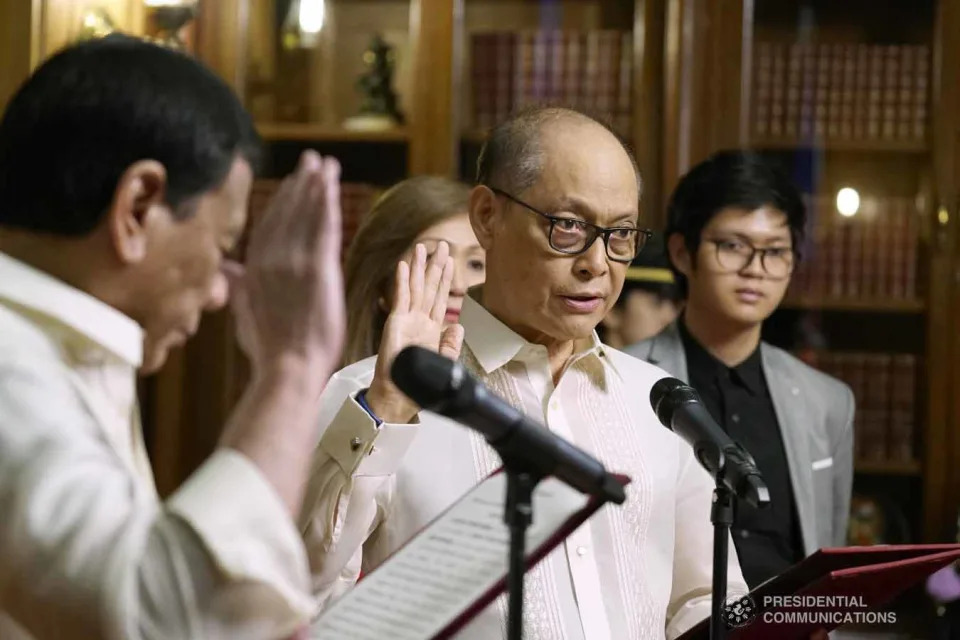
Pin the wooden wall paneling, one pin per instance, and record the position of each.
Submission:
(19, 44)
(262, 63)
(707, 44)
(163, 422)
(649, 27)
(675, 62)
(730, 73)
(942, 450)
(221, 32)
(434, 124)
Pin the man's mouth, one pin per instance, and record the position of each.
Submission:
(748, 295)
(582, 303)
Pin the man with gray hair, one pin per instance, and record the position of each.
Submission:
(557, 211)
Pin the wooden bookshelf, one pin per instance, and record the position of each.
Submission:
(879, 305)
(888, 467)
(824, 146)
(864, 146)
(693, 92)
(306, 132)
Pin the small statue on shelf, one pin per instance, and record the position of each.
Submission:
(95, 23)
(379, 109)
(166, 23)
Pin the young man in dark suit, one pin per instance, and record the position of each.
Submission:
(735, 224)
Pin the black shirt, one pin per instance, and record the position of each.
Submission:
(768, 540)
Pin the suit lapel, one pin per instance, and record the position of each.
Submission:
(666, 351)
(790, 408)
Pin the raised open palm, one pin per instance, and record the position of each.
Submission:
(420, 294)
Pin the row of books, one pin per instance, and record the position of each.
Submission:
(586, 70)
(884, 387)
(846, 92)
(356, 199)
(871, 254)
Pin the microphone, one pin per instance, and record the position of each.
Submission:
(443, 386)
(678, 407)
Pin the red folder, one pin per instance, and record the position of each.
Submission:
(831, 588)
(438, 581)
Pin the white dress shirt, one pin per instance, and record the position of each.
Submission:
(87, 550)
(636, 571)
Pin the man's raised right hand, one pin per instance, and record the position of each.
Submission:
(419, 304)
(289, 301)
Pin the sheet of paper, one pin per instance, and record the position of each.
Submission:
(446, 568)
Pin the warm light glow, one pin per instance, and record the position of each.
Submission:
(848, 201)
(311, 16)
(165, 3)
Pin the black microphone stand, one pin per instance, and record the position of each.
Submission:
(721, 515)
(734, 467)
(517, 514)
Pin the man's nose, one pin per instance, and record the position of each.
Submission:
(593, 261)
(754, 266)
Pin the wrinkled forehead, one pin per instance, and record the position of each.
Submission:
(588, 165)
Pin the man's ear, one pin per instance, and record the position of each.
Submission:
(679, 254)
(140, 194)
(484, 215)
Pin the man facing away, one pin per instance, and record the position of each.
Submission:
(650, 299)
(734, 227)
(556, 210)
(125, 171)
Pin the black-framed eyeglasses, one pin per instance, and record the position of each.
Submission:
(735, 255)
(573, 236)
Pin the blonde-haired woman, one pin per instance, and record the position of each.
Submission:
(425, 210)
(408, 270)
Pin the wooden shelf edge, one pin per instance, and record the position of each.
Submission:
(888, 467)
(879, 305)
(474, 136)
(889, 146)
(281, 131)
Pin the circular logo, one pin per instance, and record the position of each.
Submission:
(738, 611)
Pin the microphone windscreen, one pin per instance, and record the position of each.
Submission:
(667, 394)
(424, 376)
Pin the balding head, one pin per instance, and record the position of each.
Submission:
(548, 179)
(512, 157)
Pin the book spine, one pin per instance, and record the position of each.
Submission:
(822, 96)
(903, 396)
(505, 54)
(891, 92)
(777, 90)
(861, 98)
(763, 74)
(848, 93)
(624, 114)
(921, 92)
(875, 93)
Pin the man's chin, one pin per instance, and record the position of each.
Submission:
(750, 316)
(578, 327)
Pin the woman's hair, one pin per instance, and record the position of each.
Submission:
(401, 214)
